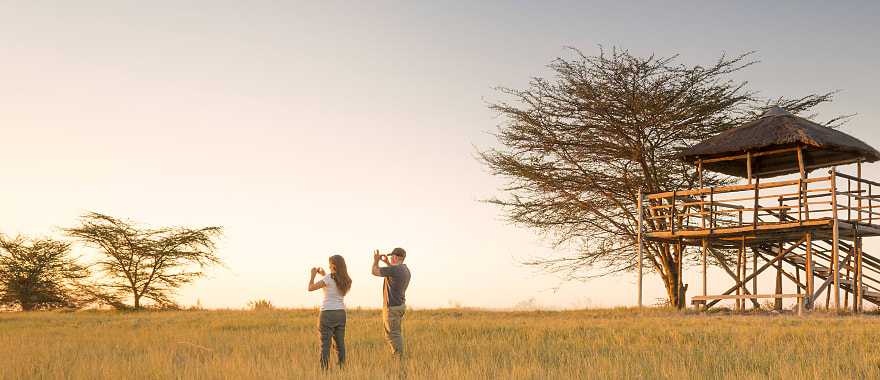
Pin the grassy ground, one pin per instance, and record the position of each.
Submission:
(450, 344)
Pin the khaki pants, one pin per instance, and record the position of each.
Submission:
(393, 319)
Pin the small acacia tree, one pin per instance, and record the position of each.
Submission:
(40, 274)
(576, 150)
(143, 263)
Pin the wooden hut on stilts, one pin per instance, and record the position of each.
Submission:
(806, 229)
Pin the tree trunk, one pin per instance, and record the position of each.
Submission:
(675, 293)
(670, 277)
(137, 301)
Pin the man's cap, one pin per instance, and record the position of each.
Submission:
(398, 252)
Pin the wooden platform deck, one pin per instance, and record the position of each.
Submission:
(787, 231)
(814, 226)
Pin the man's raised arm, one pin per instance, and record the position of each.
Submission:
(376, 257)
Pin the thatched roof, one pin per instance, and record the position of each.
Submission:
(777, 129)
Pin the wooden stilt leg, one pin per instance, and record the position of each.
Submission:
(641, 248)
(828, 299)
(743, 278)
(705, 249)
(861, 287)
(739, 303)
(680, 257)
(835, 240)
(852, 289)
(857, 242)
(754, 269)
(777, 304)
(809, 269)
(855, 281)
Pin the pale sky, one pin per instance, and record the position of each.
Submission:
(316, 128)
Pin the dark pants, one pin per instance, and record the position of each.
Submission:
(331, 323)
(392, 317)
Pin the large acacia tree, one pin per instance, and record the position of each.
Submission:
(577, 147)
(146, 263)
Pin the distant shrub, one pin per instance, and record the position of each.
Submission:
(168, 306)
(197, 307)
(530, 304)
(662, 302)
(261, 305)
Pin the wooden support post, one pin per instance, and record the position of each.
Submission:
(853, 252)
(749, 166)
(808, 267)
(745, 265)
(852, 288)
(800, 200)
(849, 199)
(737, 279)
(674, 213)
(835, 240)
(861, 287)
(640, 245)
(757, 204)
(828, 299)
(856, 281)
(754, 270)
(740, 213)
(702, 196)
(850, 256)
(804, 186)
(783, 213)
(740, 304)
(800, 159)
(679, 249)
(800, 300)
(859, 190)
(711, 209)
(705, 248)
(806, 197)
(777, 304)
(800, 306)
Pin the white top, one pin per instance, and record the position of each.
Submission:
(332, 296)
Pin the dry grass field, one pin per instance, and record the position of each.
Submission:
(448, 344)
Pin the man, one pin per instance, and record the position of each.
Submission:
(396, 275)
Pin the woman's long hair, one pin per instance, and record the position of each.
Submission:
(339, 272)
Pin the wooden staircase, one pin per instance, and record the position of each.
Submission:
(822, 262)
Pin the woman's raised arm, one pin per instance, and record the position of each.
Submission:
(315, 285)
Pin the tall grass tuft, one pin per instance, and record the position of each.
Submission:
(261, 305)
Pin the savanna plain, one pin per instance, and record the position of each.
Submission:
(441, 344)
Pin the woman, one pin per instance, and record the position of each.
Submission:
(331, 320)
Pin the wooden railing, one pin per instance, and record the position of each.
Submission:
(860, 195)
(761, 203)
